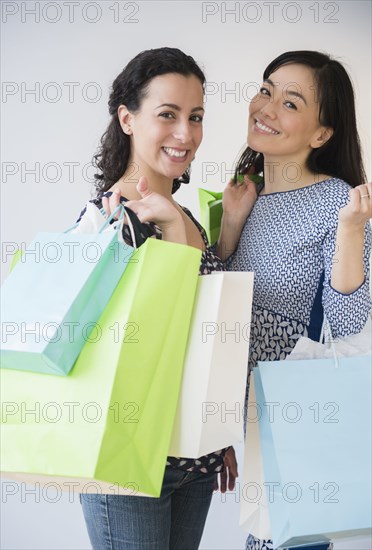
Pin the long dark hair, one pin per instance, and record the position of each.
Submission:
(341, 155)
(129, 88)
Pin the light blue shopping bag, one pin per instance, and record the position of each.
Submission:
(55, 294)
(315, 435)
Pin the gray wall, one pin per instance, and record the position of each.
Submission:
(69, 56)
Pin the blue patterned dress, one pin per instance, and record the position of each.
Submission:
(288, 241)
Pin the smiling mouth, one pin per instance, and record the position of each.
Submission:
(261, 126)
(175, 153)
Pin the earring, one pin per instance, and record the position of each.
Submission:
(127, 130)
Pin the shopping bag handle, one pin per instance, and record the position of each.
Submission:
(142, 231)
(123, 211)
(139, 231)
(326, 331)
(326, 335)
(105, 223)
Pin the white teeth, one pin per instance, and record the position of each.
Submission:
(173, 153)
(265, 128)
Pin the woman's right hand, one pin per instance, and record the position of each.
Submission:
(152, 207)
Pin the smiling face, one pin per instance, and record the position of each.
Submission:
(167, 130)
(284, 116)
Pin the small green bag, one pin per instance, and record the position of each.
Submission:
(211, 213)
(106, 426)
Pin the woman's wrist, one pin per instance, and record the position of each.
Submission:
(229, 236)
(174, 230)
(232, 221)
(347, 272)
(352, 229)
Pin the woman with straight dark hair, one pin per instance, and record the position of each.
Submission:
(156, 108)
(305, 231)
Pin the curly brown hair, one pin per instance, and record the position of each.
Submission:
(130, 88)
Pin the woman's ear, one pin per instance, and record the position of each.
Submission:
(321, 137)
(125, 119)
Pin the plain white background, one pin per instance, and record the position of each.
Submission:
(58, 62)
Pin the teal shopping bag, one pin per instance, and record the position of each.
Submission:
(54, 296)
(315, 426)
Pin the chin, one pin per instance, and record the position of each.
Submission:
(254, 145)
(171, 173)
(176, 174)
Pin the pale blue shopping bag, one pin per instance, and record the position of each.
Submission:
(54, 296)
(315, 435)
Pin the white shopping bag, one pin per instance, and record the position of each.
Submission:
(210, 408)
(254, 511)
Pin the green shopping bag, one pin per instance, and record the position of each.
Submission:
(211, 213)
(211, 207)
(106, 426)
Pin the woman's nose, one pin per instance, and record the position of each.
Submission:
(182, 131)
(269, 109)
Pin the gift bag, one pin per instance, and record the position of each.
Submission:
(211, 213)
(106, 426)
(315, 428)
(210, 409)
(254, 511)
(53, 297)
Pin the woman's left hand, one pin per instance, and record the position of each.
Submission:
(239, 198)
(359, 208)
(229, 474)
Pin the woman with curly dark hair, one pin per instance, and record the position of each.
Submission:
(156, 127)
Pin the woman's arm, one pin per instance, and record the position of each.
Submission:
(346, 294)
(348, 272)
(231, 229)
(238, 201)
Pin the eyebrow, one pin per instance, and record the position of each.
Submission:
(177, 108)
(288, 92)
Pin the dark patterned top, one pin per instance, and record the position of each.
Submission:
(213, 462)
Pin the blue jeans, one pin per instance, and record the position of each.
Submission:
(175, 521)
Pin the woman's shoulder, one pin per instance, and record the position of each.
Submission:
(331, 193)
(337, 183)
(333, 187)
(198, 225)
